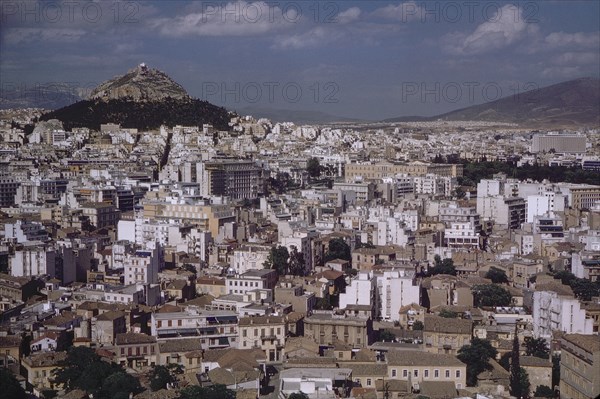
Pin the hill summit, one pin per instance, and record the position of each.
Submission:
(140, 84)
(143, 98)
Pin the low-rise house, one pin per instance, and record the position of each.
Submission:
(136, 350)
(539, 371)
(10, 350)
(107, 325)
(300, 347)
(366, 375)
(410, 314)
(417, 367)
(327, 328)
(186, 352)
(180, 290)
(315, 382)
(40, 368)
(214, 286)
(265, 332)
(45, 343)
(446, 335)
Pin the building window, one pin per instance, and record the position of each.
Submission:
(457, 373)
(426, 373)
(368, 382)
(436, 373)
(405, 373)
(447, 373)
(416, 373)
(393, 372)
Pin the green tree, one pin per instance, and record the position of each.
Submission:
(515, 382)
(537, 347)
(543, 391)
(324, 303)
(555, 370)
(83, 369)
(491, 295)
(448, 314)
(160, 376)
(278, 260)
(498, 276)
(119, 385)
(524, 384)
(477, 357)
(386, 335)
(212, 392)
(313, 167)
(565, 277)
(79, 359)
(10, 387)
(505, 360)
(445, 266)
(418, 325)
(338, 249)
(296, 264)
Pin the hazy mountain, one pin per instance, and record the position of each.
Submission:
(47, 96)
(143, 98)
(575, 102)
(298, 117)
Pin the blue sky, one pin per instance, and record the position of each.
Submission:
(364, 59)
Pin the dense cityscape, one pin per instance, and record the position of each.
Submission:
(154, 245)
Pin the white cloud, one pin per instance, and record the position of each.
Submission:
(313, 38)
(563, 72)
(403, 12)
(506, 27)
(576, 58)
(25, 35)
(349, 15)
(579, 39)
(238, 18)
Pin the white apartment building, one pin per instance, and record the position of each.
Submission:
(143, 267)
(555, 312)
(22, 231)
(33, 260)
(545, 205)
(362, 290)
(259, 279)
(461, 235)
(396, 289)
(248, 257)
(216, 328)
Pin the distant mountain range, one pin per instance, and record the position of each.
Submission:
(575, 102)
(146, 98)
(298, 117)
(143, 98)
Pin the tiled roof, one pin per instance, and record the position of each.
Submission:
(45, 359)
(134, 338)
(180, 345)
(590, 343)
(447, 325)
(533, 361)
(420, 358)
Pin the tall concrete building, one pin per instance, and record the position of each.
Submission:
(555, 312)
(562, 143)
(580, 366)
(236, 179)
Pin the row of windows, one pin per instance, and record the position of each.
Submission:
(415, 373)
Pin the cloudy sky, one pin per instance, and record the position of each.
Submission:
(365, 59)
